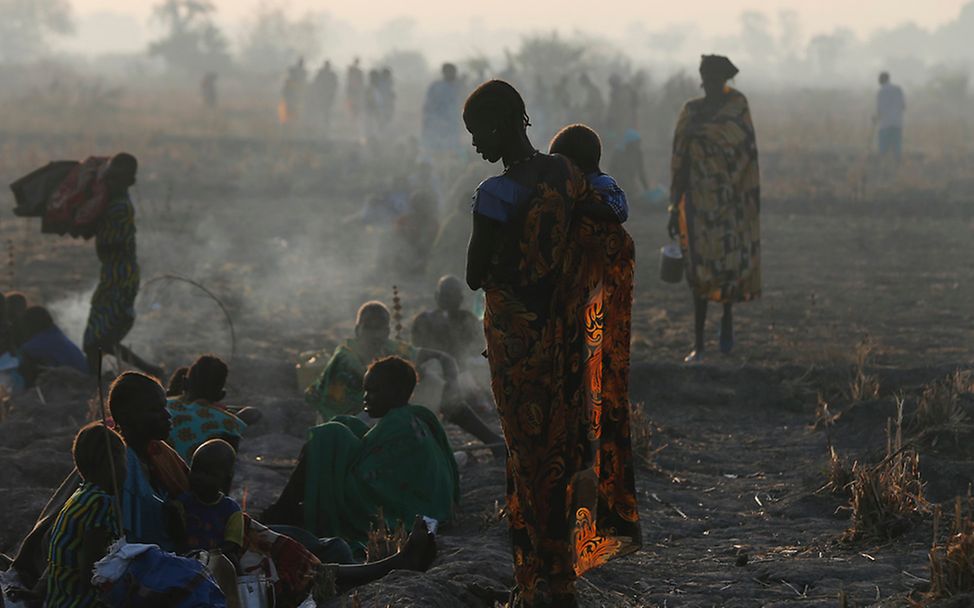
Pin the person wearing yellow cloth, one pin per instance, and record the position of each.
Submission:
(716, 200)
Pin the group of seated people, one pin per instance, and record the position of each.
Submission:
(173, 459)
(31, 342)
(338, 391)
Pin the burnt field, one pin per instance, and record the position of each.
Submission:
(806, 469)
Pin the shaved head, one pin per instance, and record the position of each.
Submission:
(214, 455)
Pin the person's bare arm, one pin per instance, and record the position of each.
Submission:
(479, 250)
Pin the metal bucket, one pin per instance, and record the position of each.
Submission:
(254, 592)
(671, 263)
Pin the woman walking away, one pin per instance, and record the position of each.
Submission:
(559, 299)
(716, 200)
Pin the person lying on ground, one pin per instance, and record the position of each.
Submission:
(582, 146)
(198, 415)
(46, 346)
(338, 391)
(348, 474)
(87, 524)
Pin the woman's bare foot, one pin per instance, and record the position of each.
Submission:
(420, 549)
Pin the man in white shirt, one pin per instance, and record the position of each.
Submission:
(890, 105)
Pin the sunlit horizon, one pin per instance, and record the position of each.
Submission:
(129, 24)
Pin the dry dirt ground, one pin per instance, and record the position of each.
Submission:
(731, 459)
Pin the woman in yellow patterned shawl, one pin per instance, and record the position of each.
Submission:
(559, 299)
(716, 200)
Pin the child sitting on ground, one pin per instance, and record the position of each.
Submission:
(209, 520)
(87, 524)
(582, 146)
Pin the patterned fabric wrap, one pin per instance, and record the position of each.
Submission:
(113, 303)
(196, 422)
(715, 161)
(608, 190)
(338, 391)
(87, 509)
(558, 347)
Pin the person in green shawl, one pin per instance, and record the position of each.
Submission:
(338, 391)
(348, 474)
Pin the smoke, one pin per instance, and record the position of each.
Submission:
(71, 313)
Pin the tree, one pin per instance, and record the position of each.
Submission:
(273, 40)
(26, 26)
(756, 36)
(827, 50)
(193, 42)
(548, 55)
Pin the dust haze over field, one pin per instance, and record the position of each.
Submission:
(866, 314)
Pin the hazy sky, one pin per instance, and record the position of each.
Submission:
(127, 27)
(711, 15)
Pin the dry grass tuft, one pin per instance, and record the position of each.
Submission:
(862, 386)
(939, 404)
(384, 542)
(838, 474)
(491, 515)
(887, 498)
(643, 430)
(952, 562)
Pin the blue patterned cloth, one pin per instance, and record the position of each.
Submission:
(499, 197)
(195, 422)
(610, 192)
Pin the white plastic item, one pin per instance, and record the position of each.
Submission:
(253, 591)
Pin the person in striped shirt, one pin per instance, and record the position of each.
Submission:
(88, 523)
